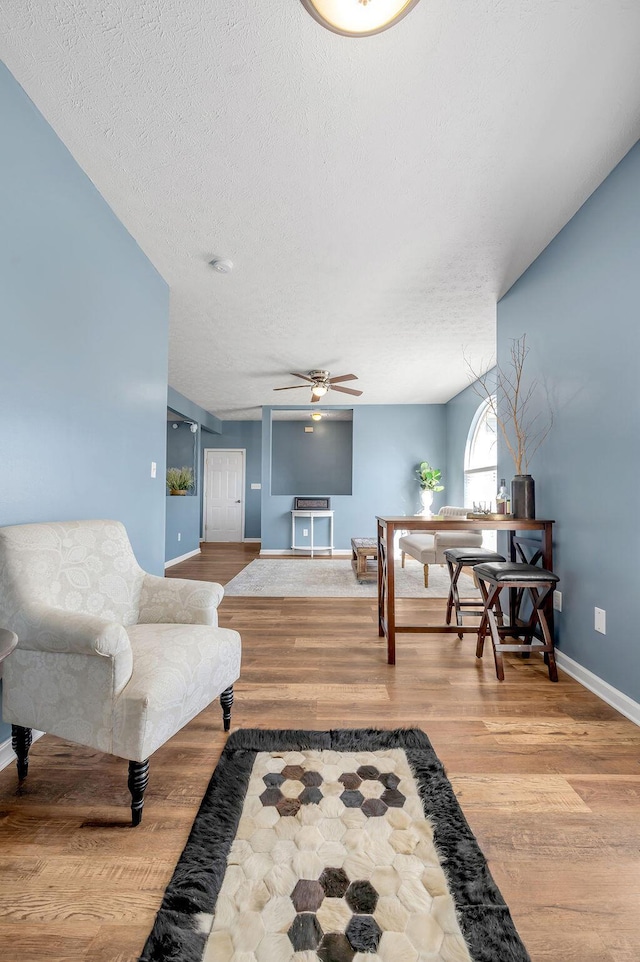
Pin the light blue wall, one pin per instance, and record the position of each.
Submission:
(316, 462)
(247, 435)
(183, 448)
(460, 412)
(389, 441)
(184, 513)
(182, 533)
(578, 305)
(84, 344)
(83, 356)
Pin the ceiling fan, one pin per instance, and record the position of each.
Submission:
(321, 383)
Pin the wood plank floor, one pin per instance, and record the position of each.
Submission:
(548, 777)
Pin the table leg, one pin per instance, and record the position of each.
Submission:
(547, 562)
(391, 599)
(381, 582)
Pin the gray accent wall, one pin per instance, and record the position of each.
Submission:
(312, 462)
(389, 441)
(83, 357)
(578, 305)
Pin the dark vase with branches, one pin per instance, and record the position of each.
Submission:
(522, 429)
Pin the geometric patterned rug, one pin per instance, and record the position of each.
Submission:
(339, 846)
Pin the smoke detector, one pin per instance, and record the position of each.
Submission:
(222, 265)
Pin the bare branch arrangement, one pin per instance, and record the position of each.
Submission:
(511, 401)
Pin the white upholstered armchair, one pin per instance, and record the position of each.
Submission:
(108, 656)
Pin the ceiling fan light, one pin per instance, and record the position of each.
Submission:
(358, 18)
(318, 390)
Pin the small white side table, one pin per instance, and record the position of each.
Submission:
(311, 546)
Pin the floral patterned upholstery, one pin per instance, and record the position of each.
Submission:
(108, 656)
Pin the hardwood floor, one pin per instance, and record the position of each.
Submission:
(547, 775)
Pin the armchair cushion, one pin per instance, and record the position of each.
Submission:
(167, 691)
(179, 601)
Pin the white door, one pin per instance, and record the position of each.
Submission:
(223, 495)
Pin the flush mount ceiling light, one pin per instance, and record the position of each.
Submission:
(316, 416)
(358, 18)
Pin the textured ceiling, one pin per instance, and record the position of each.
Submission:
(376, 196)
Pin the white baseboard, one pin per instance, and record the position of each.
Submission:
(300, 552)
(7, 754)
(252, 540)
(617, 699)
(183, 557)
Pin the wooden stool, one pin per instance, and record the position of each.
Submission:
(456, 559)
(361, 550)
(538, 582)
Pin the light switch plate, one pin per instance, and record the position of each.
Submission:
(154, 469)
(600, 620)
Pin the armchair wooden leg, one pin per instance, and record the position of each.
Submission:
(403, 555)
(426, 576)
(226, 701)
(21, 739)
(138, 778)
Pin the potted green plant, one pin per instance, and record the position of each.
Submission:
(179, 480)
(429, 481)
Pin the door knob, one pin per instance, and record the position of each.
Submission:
(238, 501)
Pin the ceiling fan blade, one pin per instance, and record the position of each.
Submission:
(314, 399)
(343, 377)
(293, 387)
(304, 377)
(345, 390)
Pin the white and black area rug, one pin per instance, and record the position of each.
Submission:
(340, 846)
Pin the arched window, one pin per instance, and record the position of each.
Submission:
(481, 463)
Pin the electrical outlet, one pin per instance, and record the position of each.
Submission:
(179, 536)
(557, 601)
(600, 620)
(154, 469)
(255, 487)
(305, 532)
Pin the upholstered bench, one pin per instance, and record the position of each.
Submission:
(428, 547)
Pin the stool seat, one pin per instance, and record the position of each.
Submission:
(509, 571)
(472, 556)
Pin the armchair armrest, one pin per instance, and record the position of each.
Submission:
(178, 601)
(44, 628)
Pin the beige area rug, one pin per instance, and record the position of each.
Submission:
(335, 578)
(337, 846)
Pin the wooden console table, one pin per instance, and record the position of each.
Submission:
(541, 550)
